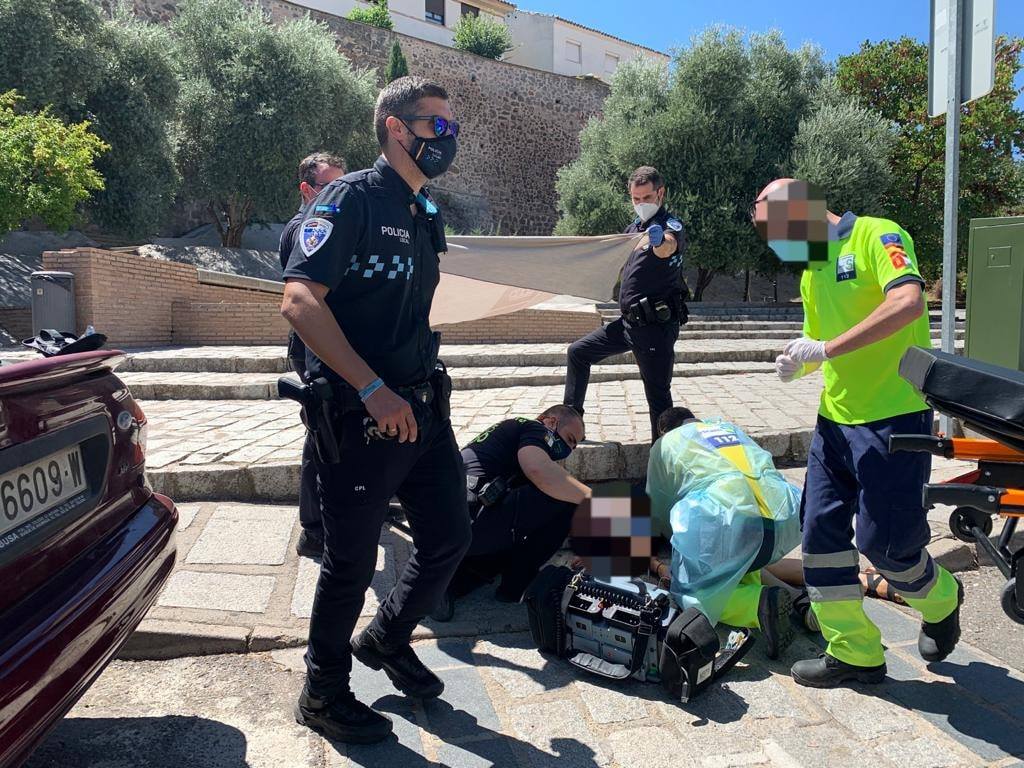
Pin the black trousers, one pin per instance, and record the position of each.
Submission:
(429, 480)
(653, 346)
(514, 539)
(309, 485)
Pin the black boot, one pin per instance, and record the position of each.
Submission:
(311, 543)
(445, 608)
(406, 671)
(343, 718)
(829, 672)
(936, 641)
(773, 611)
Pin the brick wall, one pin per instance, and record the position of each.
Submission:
(227, 323)
(527, 325)
(17, 322)
(520, 125)
(131, 298)
(137, 301)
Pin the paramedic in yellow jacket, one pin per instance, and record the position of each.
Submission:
(863, 308)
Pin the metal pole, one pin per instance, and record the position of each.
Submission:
(950, 212)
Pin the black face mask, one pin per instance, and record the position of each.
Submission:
(558, 448)
(433, 156)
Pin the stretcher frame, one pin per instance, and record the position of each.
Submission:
(994, 488)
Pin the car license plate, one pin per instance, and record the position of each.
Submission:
(28, 492)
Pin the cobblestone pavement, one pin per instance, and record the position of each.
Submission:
(241, 433)
(508, 706)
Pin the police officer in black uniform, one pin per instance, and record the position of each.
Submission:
(521, 502)
(316, 171)
(651, 299)
(359, 285)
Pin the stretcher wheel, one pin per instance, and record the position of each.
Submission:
(1010, 605)
(963, 519)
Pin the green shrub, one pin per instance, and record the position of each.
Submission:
(482, 36)
(376, 15)
(46, 166)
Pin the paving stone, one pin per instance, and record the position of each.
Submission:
(217, 591)
(493, 753)
(309, 572)
(896, 626)
(558, 732)
(826, 746)
(464, 709)
(186, 514)
(305, 587)
(522, 671)
(612, 703)
(862, 711)
(924, 752)
(649, 747)
(984, 731)
(406, 750)
(238, 534)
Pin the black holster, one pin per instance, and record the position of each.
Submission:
(319, 414)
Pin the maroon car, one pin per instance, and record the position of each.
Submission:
(85, 544)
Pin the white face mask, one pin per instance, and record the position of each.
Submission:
(646, 210)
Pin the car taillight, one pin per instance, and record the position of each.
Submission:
(133, 421)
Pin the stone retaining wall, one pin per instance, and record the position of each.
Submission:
(520, 125)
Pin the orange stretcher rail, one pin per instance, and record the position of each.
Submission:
(973, 449)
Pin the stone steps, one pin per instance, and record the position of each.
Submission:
(263, 386)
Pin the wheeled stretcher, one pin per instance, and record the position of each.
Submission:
(989, 400)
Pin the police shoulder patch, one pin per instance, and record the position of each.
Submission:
(675, 225)
(315, 232)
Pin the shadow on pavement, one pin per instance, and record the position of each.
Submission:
(496, 748)
(997, 721)
(127, 742)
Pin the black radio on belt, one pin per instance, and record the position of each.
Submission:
(647, 312)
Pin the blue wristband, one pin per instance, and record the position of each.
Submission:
(370, 388)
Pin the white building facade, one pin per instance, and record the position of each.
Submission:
(540, 41)
(558, 45)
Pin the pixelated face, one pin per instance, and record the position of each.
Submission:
(792, 216)
(611, 532)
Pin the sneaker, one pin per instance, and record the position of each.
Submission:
(445, 609)
(406, 671)
(937, 640)
(829, 672)
(773, 610)
(802, 613)
(343, 718)
(311, 543)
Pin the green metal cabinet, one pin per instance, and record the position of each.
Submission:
(995, 292)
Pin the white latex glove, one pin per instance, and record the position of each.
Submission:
(806, 351)
(788, 368)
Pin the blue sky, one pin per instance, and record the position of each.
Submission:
(665, 24)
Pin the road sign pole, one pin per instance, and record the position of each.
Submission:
(951, 209)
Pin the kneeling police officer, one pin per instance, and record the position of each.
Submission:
(521, 502)
(651, 298)
(359, 285)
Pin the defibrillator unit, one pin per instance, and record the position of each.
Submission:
(628, 630)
